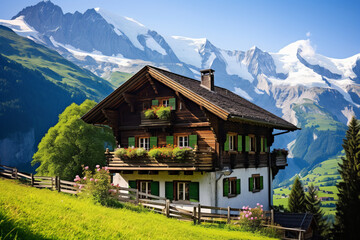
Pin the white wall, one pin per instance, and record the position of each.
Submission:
(207, 186)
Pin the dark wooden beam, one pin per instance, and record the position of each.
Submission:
(181, 99)
(130, 99)
(152, 83)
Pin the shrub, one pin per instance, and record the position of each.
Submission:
(131, 152)
(140, 152)
(150, 113)
(181, 153)
(120, 153)
(252, 217)
(95, 185)
(155, 153)
(163, 113)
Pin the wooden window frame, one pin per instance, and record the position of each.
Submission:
(256, 178)
(252, 136)
(167, 102)
(231, 142)
(178, 140)
(264, 148)
(148, 187)
(232, 181)
(148, 143)
(176, 191)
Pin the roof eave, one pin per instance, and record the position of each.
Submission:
(289, 127)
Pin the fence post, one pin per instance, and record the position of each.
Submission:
(228, 215)
(137, 197)
(194, 215)
(272, 216)
(199, 214)
(16, 173)
(59, 184)
(167, 208)
(52, 183)
(32, 179)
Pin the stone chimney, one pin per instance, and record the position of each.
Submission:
(207, 79)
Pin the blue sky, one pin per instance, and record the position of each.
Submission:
(332, 26)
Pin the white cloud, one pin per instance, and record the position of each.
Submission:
(308, 34)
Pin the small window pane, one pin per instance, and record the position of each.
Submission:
(165, 103)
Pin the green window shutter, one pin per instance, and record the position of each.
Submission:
(262, 145)
(261, 182)
(225, 187)
(153, 142)
(251, 184)
(226, 144)
(194, 191)
(155, 188)
(238, 186)
(266, 146)
(172, 103)
(132, 184)
(240, 143)
(170, 140)
(247, 143)
(169, 190)
(131, 141)
(155, 102)
(192, 141)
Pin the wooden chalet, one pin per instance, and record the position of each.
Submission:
(231, 164)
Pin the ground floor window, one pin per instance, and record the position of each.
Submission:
(182, 191)
(231, 187)
(256, 183)
(144, 143)
(144, 187)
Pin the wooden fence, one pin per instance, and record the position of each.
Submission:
(189, 212)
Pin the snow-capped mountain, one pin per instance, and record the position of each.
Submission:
(314, 91)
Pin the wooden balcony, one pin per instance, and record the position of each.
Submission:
(199, 161)
(279, 158)
(155, 122)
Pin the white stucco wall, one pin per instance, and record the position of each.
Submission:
(207, 186)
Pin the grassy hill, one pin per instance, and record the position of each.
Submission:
(325, 175)
(31, 213)
(118, 78)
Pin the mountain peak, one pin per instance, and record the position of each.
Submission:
(293, 48)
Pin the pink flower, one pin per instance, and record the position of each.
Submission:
(77, 176)
(109, 190)
(251, 218)
(75, 185)
(262, 215)
(84, 178)
(258, 204)
(91, 179)
(112, 184)
(261, 206)
(106, 168)
(246, 215)
(255, 217)
(97, 166)
(249, 208)
(117, 185)
(98, 169)
(96, 180)
(81, 186)
(87, 167)
(243, 207)
(250, 213)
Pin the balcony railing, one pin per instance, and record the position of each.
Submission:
(201, 161)
(279, 158)
(156, 122)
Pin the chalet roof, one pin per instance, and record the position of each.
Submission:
(293, 220)
(222, 102)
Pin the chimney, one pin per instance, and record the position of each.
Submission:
(207, 79)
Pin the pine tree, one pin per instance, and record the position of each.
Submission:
(347, 219)
(313, 206)
(297, 197)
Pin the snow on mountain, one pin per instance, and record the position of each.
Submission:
(235, 65)
(19, 26)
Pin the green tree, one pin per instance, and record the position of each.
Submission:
(347, 219)
(313, 206)
(72, 143)
(297, 197)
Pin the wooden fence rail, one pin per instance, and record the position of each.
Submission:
(196, 213)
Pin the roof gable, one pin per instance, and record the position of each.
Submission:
(221, 102)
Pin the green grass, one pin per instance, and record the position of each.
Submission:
(118, 78)
(43, 214)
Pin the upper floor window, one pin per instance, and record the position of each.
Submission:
(166, 102)
(231, 142)
(183, 141)
(252, 143)
(144, 143)
(256, 183)
(263, 145)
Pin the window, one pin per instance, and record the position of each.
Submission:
(183, 141)
(252, 143)
(144, 143)
(144, 187)
(256, 183)
(231, 142)
(183, 191)
(166, 102)
(231, 187)
(263, 144)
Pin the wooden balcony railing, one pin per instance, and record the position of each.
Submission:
(198, 161)
(155, 122)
